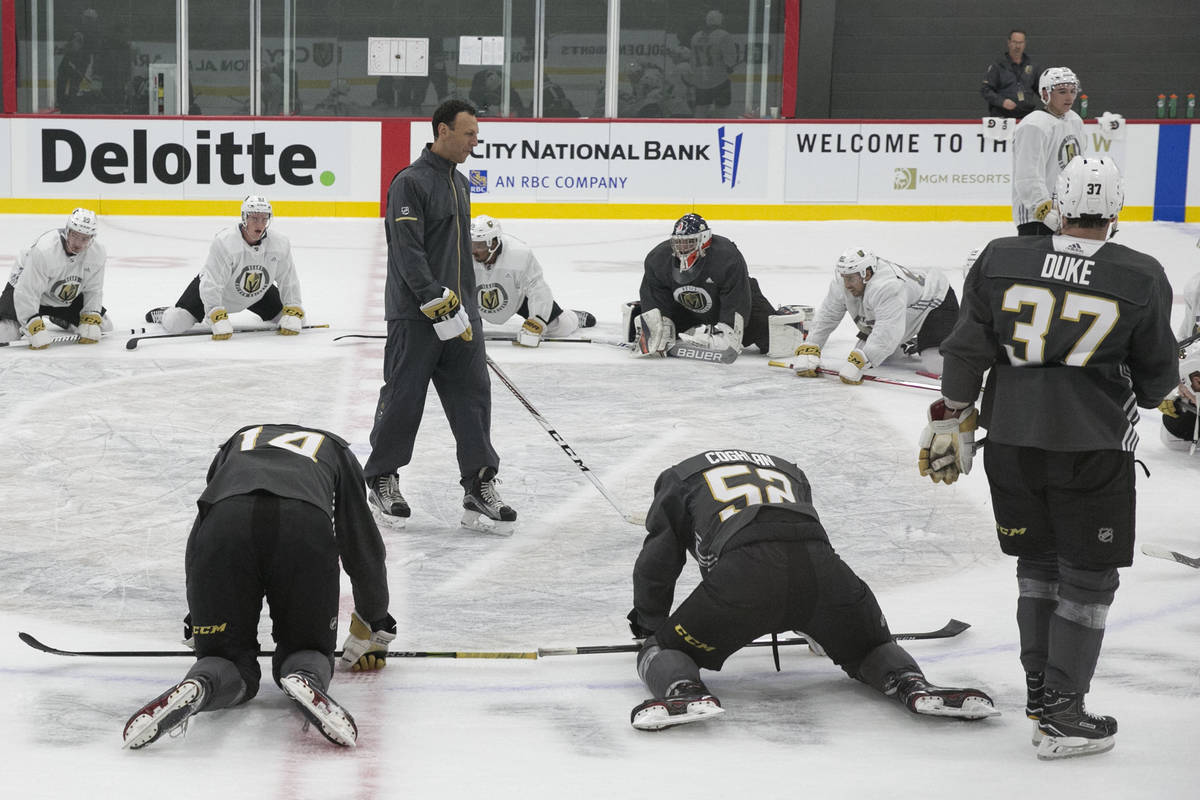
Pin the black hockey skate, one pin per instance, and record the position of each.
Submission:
(586, 318)
(1034, 688)
(484, 510)
(155, 315)
(333, 721)
(383, 496)
(1068, 730)
(922, 697)
(686, 701)
(166, 714)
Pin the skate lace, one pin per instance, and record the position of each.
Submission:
(487, 490)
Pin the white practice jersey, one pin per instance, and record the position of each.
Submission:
(891, 311)
(237, 275)
(514, 277)
(45, 275)
(1042, 145)
(1190, 323)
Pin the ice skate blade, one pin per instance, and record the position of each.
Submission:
(334, 723)
(170, 717)
(481, 523)
(971, 708)
(388, 520)
(656, 718)
(1037, 736)
(1054, 748)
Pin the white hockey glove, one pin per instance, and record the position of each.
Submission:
(89, 328)
(35, 331)
(1112, 125)
(808, 361)
(531, 332)
(222, 328)
(449, 320)
(366, 649)
(653, 334)
(1048, 215)
(713, 337)
(948, 442)
(291, 320)
(852, 371)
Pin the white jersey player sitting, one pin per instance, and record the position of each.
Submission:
(246, 269)
(509, 281)
(1189, 325)
(61, 276)
(1180, 418)
(898, 311)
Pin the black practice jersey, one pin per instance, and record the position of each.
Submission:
(316, 467)
(714, 502)
(1076, 332)
(713, 291)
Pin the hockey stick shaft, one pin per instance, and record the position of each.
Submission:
(1158, 551)
(872, 378)
(63, 337)
(562, 443)
(133, 343)
(952, 628)
(487, 337)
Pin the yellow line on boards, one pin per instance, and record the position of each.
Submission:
(184, 208)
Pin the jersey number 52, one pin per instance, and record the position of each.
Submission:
(742, 487)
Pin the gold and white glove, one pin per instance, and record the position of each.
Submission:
(531, 332)
(447, 315)
(291, 320)
(89, 328)
(222, 328)
(35, 331)
(808, 361)
(366, 649)
(852, 371)
(948, 442)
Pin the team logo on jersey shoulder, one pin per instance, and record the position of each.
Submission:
(252, 281)
(694, 298)
(492, 298)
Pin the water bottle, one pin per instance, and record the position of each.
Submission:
(1083, 106)
(1172, 105)
(1190, 109)
(1160, 106)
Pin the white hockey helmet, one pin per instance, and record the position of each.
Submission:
(256, 204)
(82, 221)
(1055, 76)
(487, 230)
(856, 262)
(1090, 186)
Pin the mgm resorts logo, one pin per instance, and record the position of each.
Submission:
(908, 178)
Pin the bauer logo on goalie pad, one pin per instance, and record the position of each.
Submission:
(694, 298)
(252, 281)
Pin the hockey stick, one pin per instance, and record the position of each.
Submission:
(632, 519)
(1157, 551)
(62, 337)
(952, 628)
(487, 337)
(697, 353)
(873, 378)
(133, 342)
(1183, 343)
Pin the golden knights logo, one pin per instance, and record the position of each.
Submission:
(67, 289)
(694, 298)
(252, 281)
(492, 298)
(1069, 148)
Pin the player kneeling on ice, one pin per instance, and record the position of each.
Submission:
(282, 505)
(247, 268)
(1180, 422)
(899, 312)
(766, 566)
(697, 289)
(509, 281)
(61, 276)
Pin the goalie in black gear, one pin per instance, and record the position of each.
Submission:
(767, 567)
(696, 284)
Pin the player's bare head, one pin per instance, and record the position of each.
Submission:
(455, 130)
(690, 239)
(485, 239)
(79, 231)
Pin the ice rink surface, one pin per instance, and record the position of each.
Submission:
(106, 451)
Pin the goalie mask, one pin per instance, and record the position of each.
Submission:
(485, 239)
(1090, 187)
(690, 238)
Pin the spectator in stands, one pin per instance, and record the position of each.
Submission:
(1010, 85)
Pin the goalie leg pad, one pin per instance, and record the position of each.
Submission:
(654, 333)
(786, 332)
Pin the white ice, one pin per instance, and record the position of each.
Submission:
(105, 451)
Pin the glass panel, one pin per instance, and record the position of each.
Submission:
(219, 57)
(680, 59)
(575, 55)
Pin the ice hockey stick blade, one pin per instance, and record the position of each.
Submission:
(952, 628)
(132, 343)
(1158, 551)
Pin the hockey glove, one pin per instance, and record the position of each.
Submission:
(948, 442)
(89, 328)
(448, 317)
(635, 626)
(653, 334)
(851, 372)
(189, 638)
(291, 320)
(1168, 409)
(531, 332)
(35, 331)
(808, 361)
(366, 649)
(222, 328)
(714, 337)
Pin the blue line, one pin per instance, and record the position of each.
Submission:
(1170, 185)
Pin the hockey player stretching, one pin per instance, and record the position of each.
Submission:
(767, 567)
(1076, 333)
